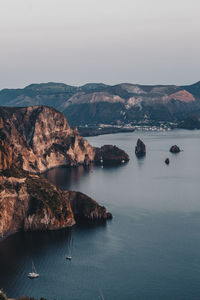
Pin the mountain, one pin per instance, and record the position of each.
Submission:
(96, 103)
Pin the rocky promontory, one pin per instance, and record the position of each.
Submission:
(33, 140)
(39, 138)
(31, 202)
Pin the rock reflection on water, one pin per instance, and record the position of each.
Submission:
(65, 177)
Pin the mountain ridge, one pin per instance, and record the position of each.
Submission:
(96, 103)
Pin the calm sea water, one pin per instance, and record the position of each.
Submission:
(151, 248)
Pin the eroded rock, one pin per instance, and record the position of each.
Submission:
(30, 202)
(109, 154)
(167, 161)
(174, 149)
(140, 148)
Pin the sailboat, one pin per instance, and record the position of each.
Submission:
(70, 246)
(34, 273)
(101, 297)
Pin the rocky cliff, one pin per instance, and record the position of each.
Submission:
(39, 138)
(30, 202)
(33, 140)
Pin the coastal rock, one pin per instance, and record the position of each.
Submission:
(33, 140)
(140, 148)
(174, 149)
(86, 207)
(110, 154)
(30, 202)
(167, 161)
(39, 138)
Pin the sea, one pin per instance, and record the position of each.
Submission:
(150, 250)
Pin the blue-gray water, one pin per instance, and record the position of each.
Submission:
(151, 248)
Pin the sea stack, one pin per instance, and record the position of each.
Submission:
(167, 161)
(140, 148)
(174, 149)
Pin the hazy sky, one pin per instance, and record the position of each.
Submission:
(110, 41)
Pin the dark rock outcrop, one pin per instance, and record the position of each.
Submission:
(167, 161)
(110, 155)
(140, 148)
(86, 207)
(174, 149)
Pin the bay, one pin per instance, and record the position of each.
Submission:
(151, 248)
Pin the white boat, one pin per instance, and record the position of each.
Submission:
(68, 257)
(34, 273)
(123, 161)
(101, 297)
(70, 246)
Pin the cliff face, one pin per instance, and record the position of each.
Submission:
(33, 140)
(39, 138)
(30, 202)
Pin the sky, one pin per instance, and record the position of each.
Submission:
(109, 41)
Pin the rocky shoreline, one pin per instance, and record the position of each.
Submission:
(32, 141)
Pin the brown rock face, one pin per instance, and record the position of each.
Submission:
(30, 202)
(40, 138)
(110, 154)
(140, 148)
(174, 149)
(183, 96)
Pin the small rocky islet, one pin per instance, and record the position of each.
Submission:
(174, 149)
(140, 148)
(32, 141)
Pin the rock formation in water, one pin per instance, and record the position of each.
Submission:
(140, 148)
(174, 149)
(86, 207)
(30, 202)
(167, 161)
(39, 138)
(110, 155)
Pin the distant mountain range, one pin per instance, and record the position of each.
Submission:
(96, 103)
